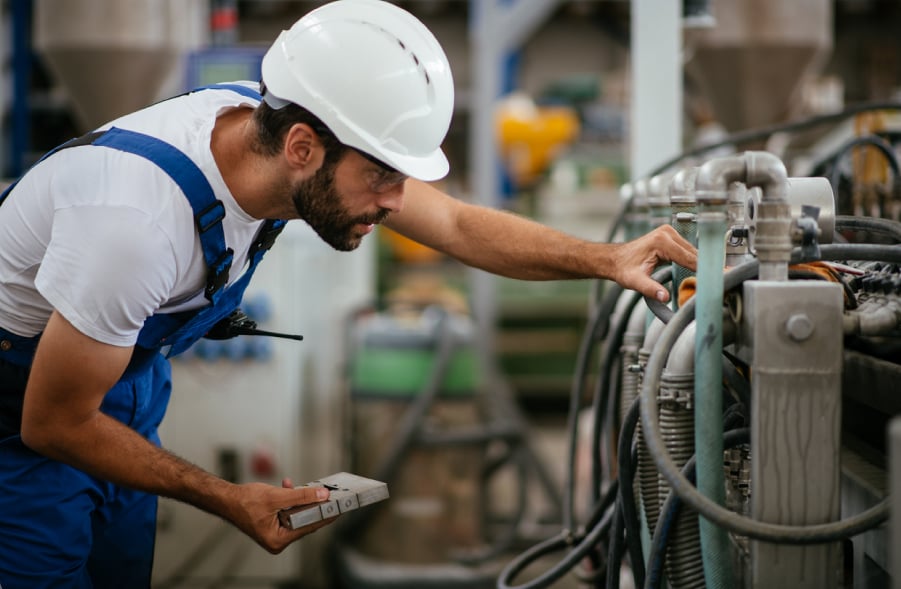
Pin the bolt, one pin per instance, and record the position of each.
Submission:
(799, 327)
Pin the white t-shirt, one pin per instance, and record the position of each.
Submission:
(107, 238)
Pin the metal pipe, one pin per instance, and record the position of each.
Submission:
(715, 176)
(647, 471)
(684, 210)
(632, 339)
(773, 234)
(876, 316)
(684, 560)
(773, 241)
(773, 226)
(639, 219)
(682, 357)
(714, 179)
(659, 209)
(677, 431)
(736, 523)
(737, 238)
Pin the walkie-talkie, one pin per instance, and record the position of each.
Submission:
(238, 323)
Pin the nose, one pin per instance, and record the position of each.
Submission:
(393, 198)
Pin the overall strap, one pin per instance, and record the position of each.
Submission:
(179, 330)
(90, 137)
(208, 210)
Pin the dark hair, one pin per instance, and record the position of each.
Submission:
(272, 125)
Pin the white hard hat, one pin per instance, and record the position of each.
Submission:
(375, 75)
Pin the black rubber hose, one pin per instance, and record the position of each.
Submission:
(615, 550)
(556, 543)
(867, 140)
(628, 519)
(670, 511)
(664, 275)
(595, 330)
(866, 252)
(597, 326)
(883, 227)
(782, 534)
(659, 310)
(601, 397)
(605, 395)
(631, 521)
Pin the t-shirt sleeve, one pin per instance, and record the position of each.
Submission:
(106, 269)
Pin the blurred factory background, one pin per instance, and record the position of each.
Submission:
(462, 390)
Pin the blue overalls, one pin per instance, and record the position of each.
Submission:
(60, 527)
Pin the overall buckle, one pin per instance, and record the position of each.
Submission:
(209, 216)
(217, 274)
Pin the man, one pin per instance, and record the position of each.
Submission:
(138, 238)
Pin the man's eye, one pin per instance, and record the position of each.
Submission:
(387, 181)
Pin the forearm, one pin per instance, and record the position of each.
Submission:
(61, 418)
(109, 450)
(513, 246)
(97, 446)
(510, 245)
(497, 241)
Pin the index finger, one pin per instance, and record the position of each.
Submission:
(679, 249)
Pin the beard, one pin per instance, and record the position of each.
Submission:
(318, 203)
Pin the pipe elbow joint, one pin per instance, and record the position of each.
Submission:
(682, 186)
(715, 176)
(768, 172)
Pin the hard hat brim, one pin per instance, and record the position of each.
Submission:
(427, 169)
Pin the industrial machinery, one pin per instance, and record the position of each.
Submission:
(739, 435)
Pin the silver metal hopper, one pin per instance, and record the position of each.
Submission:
(750, 65)
(114, 56)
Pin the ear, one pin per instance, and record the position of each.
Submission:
(302, 146)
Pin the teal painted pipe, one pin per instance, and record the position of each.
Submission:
(712, 185)
(773, 244)
(715, 544)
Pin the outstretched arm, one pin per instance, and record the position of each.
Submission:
(62, 420)
(516, 247)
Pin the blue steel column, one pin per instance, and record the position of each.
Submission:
(20, 137)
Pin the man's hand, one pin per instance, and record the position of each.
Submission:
(635, 261)
(62, 419)
(257, 507)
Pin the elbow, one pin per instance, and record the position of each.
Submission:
(35, 436)
(41, 436)
(57, 436)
